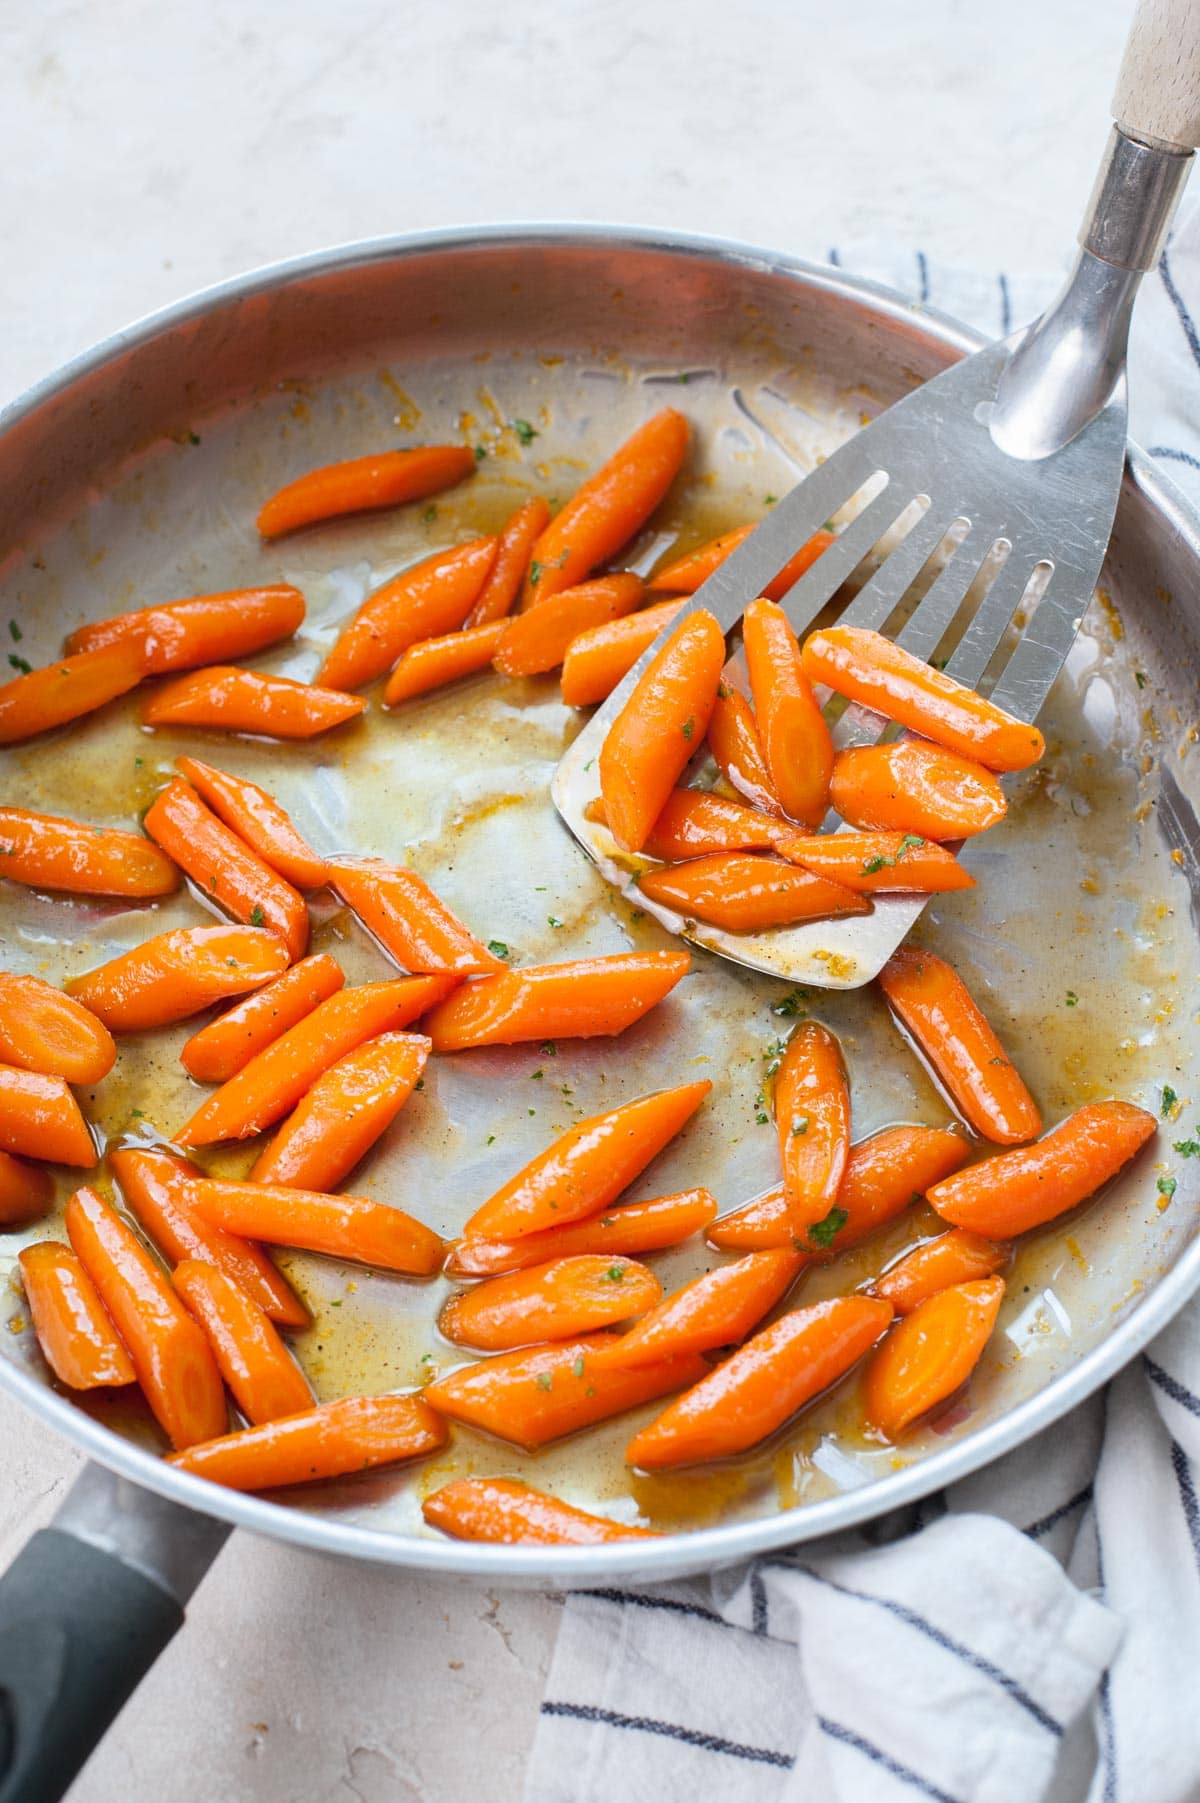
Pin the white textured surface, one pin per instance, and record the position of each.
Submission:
(154, 146)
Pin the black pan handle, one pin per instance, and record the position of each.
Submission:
(85, 1609)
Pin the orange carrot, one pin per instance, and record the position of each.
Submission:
(66, 690)
(717, 1309)
(78, 1341)
(543, 1392)
(633, 1228)
(660, 726)
(413, 926)
(599, 658)
(938, 1264)
(950, 1028)
(45, 852)
(579, 1000)
(911, 786)
(204, 629)
(356, 1434)
(930, 1354)
(343, 1114)
(26, 1191)
(432, 663)
(384, 479)
(223, 867)
(741, 892)
(506, 1513)
(881, 675)
(158, 1189)
(697, 822)
(538, 640)
(351, 1227)
(40, 1117)
(884, 1174)
(773, 1376)
(1014, 1191)
(41, 1029)
(812, 1119)
(588, 1166)
(733, 741)
(218, 1051)
(176, 974)
(257, 818)
(426, 601)
(500, 591)
(611, 506)
(273, 1081)
(791, 728)
(170, 1354)
(878, 863)
(558, 1301)
(264, 1378)
(685, 575)
(226, 698)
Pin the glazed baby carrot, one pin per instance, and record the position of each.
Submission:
(45, 852)
(684, 576)
(67, 690)
(755, 1391)
(930, 1354)
(611, 506)
(890, 681)
(344, 1113)
(413, 926)
(577, 1000)
(176, 974)
(556, 1301)
(78, 1341)
(218, 1051)
(158, 1189)
(427, 601)
(261, 1373)
(274, 1080)
(356, 1434)
(952, 1258)
(506, 1513)
(911, 786)
(950, 1028)
(431, 663)
(878, 863)
(257, 818)
(223, 867)
(26, 1191)
(368, 1233)
(226, 698)
(543, 1392)
(696, 822)
(717, 1309)
(884, 1174)
(633, 1228)
(597, 660)
(170, 1354)
(812, 1120)
(661, 725)
(1017, 1190)
(588, 1166)
(500, 591)
(204, 629)
(40, 1117)
(538, 640)
(741, 892)
(41, 1029)
(384, 479)
(795, 740)
(733, 741)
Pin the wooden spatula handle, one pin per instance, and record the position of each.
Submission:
(1158, 88)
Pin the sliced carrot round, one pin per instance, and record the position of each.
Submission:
(41, 1029)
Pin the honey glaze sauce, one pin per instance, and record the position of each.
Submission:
(1077, 941)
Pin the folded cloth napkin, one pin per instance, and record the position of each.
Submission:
(1032, 1633)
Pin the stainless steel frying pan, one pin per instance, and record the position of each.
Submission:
(132, 475)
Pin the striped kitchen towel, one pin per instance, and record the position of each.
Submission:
(1034, 1632)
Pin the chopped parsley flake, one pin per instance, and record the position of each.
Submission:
(615, 1274)
(1140, 677)
(791, 1003)
(1188, 1148)
(577, 1367)
(497, 948)
(552, 920)
(536, 1076)
(430, 512)
(257, 917)
(480, 452)
(821, 1234)
(1169, 1099)
(770, 500)
(548, 1049)
(14, 632)
(524, 431)
(873, 865)
(20, 663)
(910, 842)
(1072, 999)
(545, 1379)
(491, 1139)
(800, 1125)
(688, 727)
(1166, 1186)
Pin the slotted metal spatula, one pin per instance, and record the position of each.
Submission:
(1018, 449)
